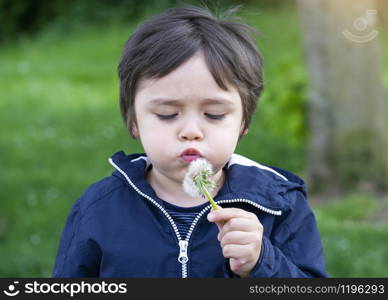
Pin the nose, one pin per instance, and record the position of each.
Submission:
(191, 130)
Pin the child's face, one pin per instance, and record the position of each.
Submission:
(186, 109)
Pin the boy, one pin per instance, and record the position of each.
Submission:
(188, 88)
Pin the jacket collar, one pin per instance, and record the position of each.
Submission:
(245, 179)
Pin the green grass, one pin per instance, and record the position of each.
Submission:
(354, 231)
(60, 122)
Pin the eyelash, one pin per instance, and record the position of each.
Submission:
(166, 117)
(172, 116)
(215, 117)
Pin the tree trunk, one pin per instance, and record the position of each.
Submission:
(348, 135)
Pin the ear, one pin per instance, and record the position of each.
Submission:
(134, 131)
(132, 128)
(243, 131)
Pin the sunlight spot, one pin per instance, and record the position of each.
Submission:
(108, 133)
(18, 141)
(35, 239)
(66, 143)
(32, 200)
(23, 67)
(87, 140)
(343, 244)
(52, 193)
(50, 132)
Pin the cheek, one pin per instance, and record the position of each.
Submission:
(230, 130)
(224, 139)
(154, 137)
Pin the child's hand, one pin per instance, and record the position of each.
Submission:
(240, 235)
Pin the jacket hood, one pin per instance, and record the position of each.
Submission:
(246, 179)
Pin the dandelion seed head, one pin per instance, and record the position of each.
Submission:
(199, 167)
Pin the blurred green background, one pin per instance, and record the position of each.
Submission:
(60, 122)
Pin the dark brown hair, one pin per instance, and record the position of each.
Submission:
(164, 42)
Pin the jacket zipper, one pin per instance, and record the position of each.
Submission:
(183, 244)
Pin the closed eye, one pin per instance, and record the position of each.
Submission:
(215, 116)
(166, 117)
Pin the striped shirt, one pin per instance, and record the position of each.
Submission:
(183, 216)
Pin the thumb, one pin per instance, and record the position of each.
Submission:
(219, 224)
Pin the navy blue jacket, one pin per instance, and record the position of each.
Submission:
(119, 228)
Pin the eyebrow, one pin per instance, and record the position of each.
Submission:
(177, 102)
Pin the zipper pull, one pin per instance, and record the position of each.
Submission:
(183, 258)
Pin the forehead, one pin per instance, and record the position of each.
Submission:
(191, 81)
(160, 102)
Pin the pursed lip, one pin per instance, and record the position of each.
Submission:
(190, 154)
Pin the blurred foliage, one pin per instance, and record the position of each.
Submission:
(353, 231)
(26, 17)
(29, 16)
(278, 134)
(59, 106)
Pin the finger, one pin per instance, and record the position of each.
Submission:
(236, 264)
(239, 224)
(238, 238)
(240, 252)
(226, 214)
(220, 225)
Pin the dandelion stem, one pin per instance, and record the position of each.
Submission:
(206, 193)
